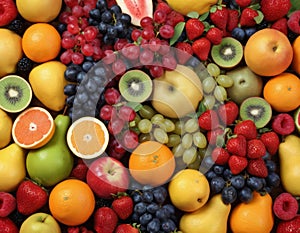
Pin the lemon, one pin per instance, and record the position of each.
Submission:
(47, 82)
(186, 6)
(41, 11)
(5, 129)
(10, 50)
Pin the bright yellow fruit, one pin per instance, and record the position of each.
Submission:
(5, 129)
(47, 82)
(186, 6)
(10, 50)
(41, 11)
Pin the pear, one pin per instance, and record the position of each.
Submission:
(211, 218)
(5, 129)
(12, 167)
(289, 160)
(52, 162)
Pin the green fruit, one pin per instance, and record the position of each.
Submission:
(53, 162)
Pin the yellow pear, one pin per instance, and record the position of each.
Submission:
(5, 129)
(47, 81)
(289, 160)
(12, 167)
(211, 218)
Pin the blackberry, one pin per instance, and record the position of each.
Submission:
(101, 202)
(24, 66)
(18, 26)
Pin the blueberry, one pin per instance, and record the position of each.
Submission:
(140, 208)
(136, 197)
(71, 74)
(237, 181)
(210, 175)
(160, 194)
(229, 195)
(112, 32)
(217, 184)
(273, 179)
(106, 17)
(169, 208)
(168, 226)
(80, 76)
(218, 169)
(87, 65)
(250, 31)
(147, 196)
(255, 183)
(153, 225)
(227, 174)
(145, 218)
(245, 195)
(90, 86)
(70, 89)
(102, 27)
(125, 18)
(116, 9)
(134, 217)
(101, 4)
(271, 165)
(162, 214)
(70, 100)
(95, 14)
(238, 33)
(152, 208)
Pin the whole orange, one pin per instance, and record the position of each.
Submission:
(268, 52)
(151, 163)
(71, 202)
(296, 58)
(282, 92)
(41, 42)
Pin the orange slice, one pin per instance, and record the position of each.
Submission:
(87, 137)
(33, 128)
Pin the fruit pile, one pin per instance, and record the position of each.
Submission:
(149, 116)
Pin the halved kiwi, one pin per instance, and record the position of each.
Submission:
(228, 53)
(15, 93)
(256, 109)
(135, 86)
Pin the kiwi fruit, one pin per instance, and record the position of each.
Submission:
(15, 93)
(228, 53)
(256, 109)
(135, 86)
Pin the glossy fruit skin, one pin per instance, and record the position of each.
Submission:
(5, 129)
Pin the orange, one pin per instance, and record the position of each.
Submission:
(282, 92)
(33, 128)
(296, 57)
(87, 137)
(151, 163)
(71, 202)
(41, 42)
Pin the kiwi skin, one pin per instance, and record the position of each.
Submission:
(135, 86)
(256, 109)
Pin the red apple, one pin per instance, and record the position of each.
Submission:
(107, 176)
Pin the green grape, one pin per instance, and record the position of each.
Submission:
(179, 127)
(162, 126)
(160, 135)
(208, 84)
(213, 69)
(157, 118)
(145, 126)
(224, 80)
(209, 101)
(191, 125)
(143, 137)
(147, 112)
(220, 93)
(169, 125)
(187, 140)
(196, 164)
(189, 155)
(136, 120)
(178, 150)
(174, 140)
(199, 140)
(202, 152)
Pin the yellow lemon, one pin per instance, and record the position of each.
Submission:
(10, 50)
(186, 6)
(5, 129)
(42, 11)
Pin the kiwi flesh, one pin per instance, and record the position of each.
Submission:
(256, 109)
(135, 86)
(15, 93)
(228, 53)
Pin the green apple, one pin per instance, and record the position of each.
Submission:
(177, 93)
(40, 223)
(245, 84)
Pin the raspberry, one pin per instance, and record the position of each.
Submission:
(8, 204)
(283, 124)
(285, 206)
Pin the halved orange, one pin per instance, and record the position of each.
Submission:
(33, 128)
(87, 137)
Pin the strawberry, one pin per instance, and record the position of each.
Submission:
(214, 35)
(243, 3)
(289, 226)
(257, 167)
(194, 28)
(123, 206)
(237, 164)
(220, 155)
(219, 18)
(8, 226)
(30, 197)
(247, 18)
(183, 52)
(78, 229)
(255, 148)
(8, 12)
(126, 228)
(201, 47)
(228, 112)
(271, 142)
(246, 128)
(79, 171)
(215, 135)
(281, 25)
(105, 220)
(233, 19)
(275, 9)
(208, 120)
(174, 18)
(237, 145)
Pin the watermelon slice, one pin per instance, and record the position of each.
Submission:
(297, 119)
(137, 9)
